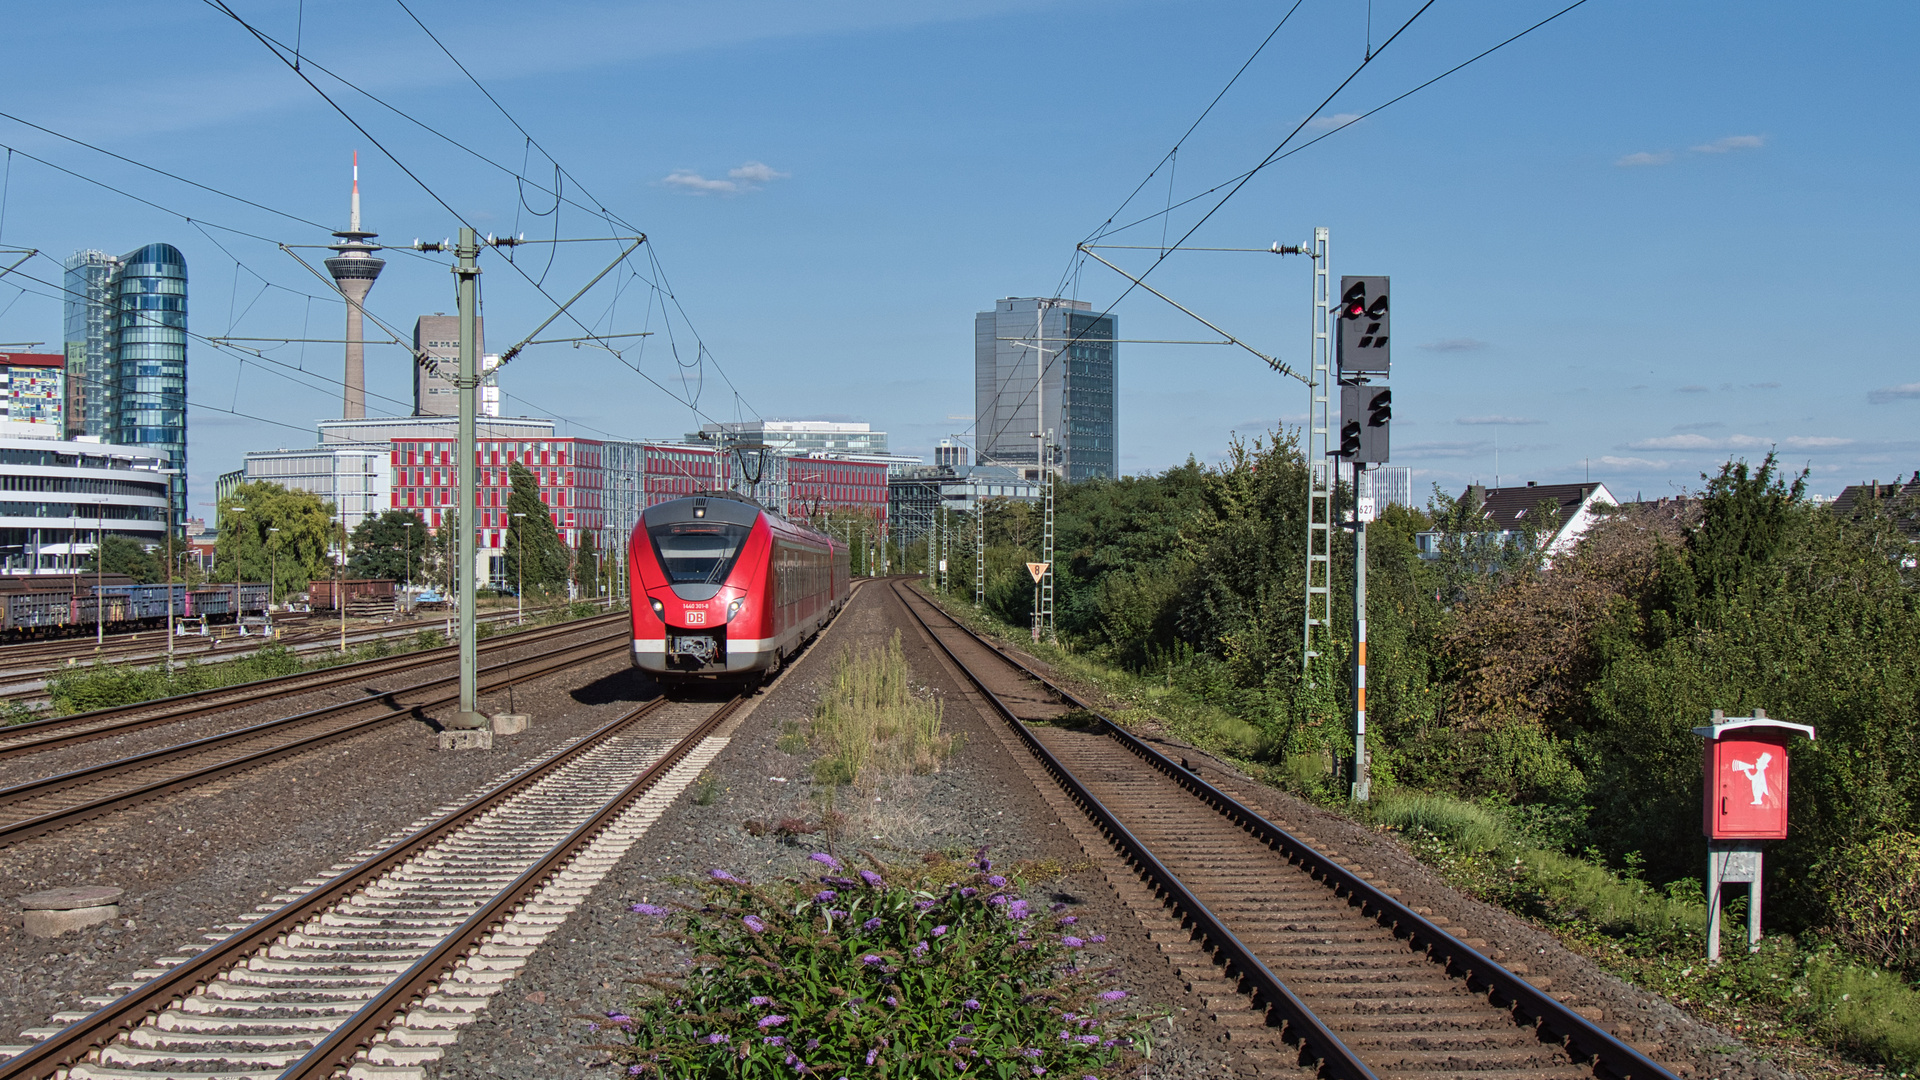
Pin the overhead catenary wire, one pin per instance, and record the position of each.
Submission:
(279, 53)
(1280, 154)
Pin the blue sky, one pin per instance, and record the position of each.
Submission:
(1644, 238)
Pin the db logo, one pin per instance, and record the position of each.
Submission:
(696, 618)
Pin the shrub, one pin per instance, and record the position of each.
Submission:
(867, 977)
(1876, 901)
(1872, 1013)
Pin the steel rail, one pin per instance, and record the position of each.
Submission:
(218, 699)
(1584, 1038)
(58, 1052)
(518, 671)
(1301, 1025)
(336, 1052)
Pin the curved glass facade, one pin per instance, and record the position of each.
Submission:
(149, 300)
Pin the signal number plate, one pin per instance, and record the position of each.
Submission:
(696, 618)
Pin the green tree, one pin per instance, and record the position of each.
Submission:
(392, 544)
(586, 566)
(533, 534)
(125, 555)
(270, 533)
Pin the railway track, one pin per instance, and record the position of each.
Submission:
(24, 669)
(103, 723)
(1312, 953)
(56, 802)
(375, 967)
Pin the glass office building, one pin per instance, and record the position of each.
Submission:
(1079, 381)
(126, 347)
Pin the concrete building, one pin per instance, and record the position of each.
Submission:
(914, 496)
(950, 454)
(354, 270)
(1392, 484)
(798, 436)
(438, 337)
(126, 353)
(355, 479)
(33, 392)
(57, 496)
(1016, 342)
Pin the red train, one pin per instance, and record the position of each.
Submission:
(723, 588)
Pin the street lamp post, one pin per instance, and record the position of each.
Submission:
(235, 548)
(99, 601)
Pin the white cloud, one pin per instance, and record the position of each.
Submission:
(749, 177)
(1731, 143)
(754, 172)
(1511, 420)
(1337, 120)
(1887, 394)
(1458, 344)
(690, 181)
(1633, 463)
(1644, 158)
(1739, 442)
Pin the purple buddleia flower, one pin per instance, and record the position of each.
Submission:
(1057, 908)
(980, 860)
(619, 1018)
(774, 1040)
(923, 905)
(872, 879)
(717, 1037)
(893, 1001)
(970, 1004)
(1017, 909)
(825, 895)
(872, 1054)
(838, 882)
(1098, 939)
(969, 892)
(1038, 1071)
(759, 999)
(940, 931)
(1072, 942)
(835, 913)
(825, 860)
(871, 924)
(654, 910)
(997, 901)
(1114, 995)
(1069, 920)
(636, 1070)
(1089, 1040)
(1030, 1051)
(813, 1044)
(997, 881)
(920, 949)
(723, 876)
(871, 959)
(772, 1021)
(755, 924)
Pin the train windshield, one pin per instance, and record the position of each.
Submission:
(698, 552)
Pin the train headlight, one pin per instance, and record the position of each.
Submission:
(659, 609)
(734, 608)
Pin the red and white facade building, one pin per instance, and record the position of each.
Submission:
(601, 486)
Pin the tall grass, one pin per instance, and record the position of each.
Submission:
(870, 724)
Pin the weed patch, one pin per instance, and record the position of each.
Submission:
(870, 724)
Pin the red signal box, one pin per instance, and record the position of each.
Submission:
(1745, 803)
(1746, 777)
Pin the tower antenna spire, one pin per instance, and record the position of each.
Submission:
(354, 268)
(353, 218)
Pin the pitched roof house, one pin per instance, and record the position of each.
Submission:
(1507, 510)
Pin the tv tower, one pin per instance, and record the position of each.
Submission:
(354, 270)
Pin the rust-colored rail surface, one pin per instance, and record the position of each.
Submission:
(1360, 983)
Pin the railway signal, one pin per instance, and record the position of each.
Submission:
(1361, 347)
(1364, 415)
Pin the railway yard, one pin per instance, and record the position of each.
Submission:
(311, 887)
